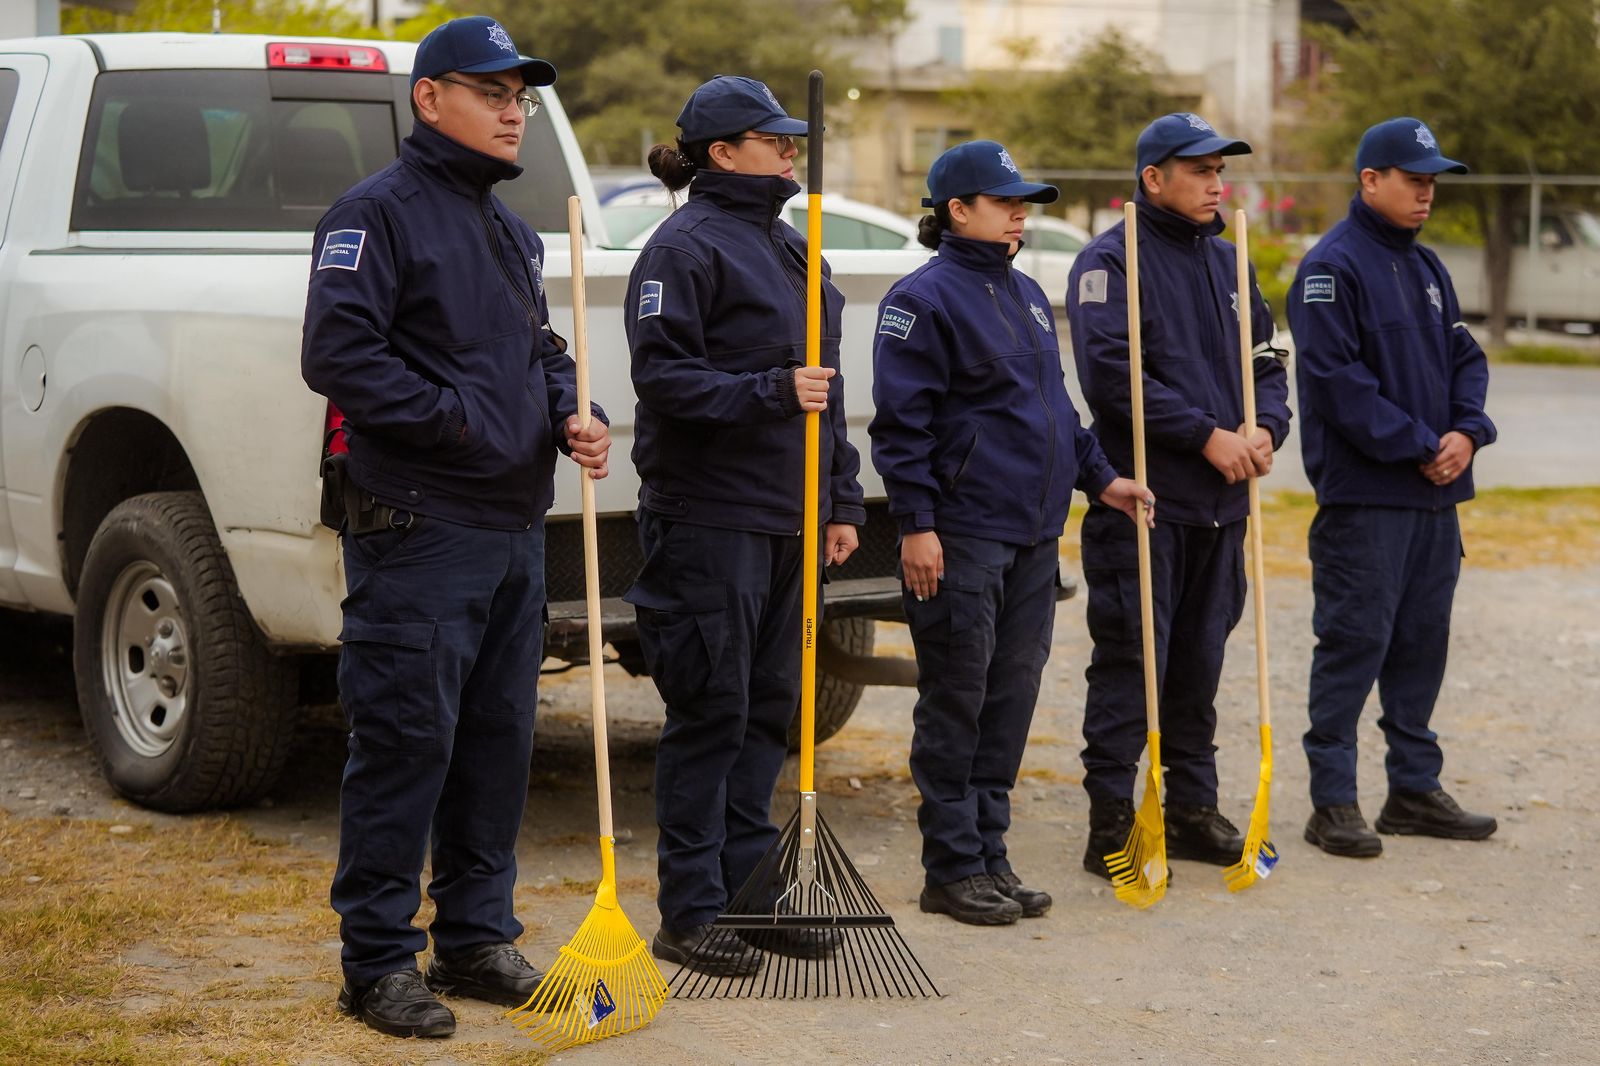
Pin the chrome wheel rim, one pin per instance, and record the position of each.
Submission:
(144, 644)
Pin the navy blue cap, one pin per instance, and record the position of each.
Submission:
(981, 167)
(1181, 133)
(476, 44)
(729, 104)
(1406, 143)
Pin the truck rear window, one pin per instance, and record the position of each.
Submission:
(259, 150)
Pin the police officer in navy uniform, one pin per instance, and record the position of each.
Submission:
(1199, 457)
(1392, 389)
(426, 325)
(716, 320)
(980, 448)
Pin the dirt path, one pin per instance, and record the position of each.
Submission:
(1438, 952)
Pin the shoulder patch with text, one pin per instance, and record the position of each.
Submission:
(896, 323)
(1318, 289)
(1092, 287)
(649, 299)
(341, 250)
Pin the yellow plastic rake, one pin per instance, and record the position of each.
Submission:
(604, 981)
(1259, 855)
(1139, 870)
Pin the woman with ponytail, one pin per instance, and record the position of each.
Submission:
(716, 319)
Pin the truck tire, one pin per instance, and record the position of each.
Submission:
(836, 699)
(184, 705)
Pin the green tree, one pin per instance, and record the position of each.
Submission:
(626, 70)
(1085, 116)
(1510, 87)
(291, 18)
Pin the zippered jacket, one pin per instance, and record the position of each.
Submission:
(716, 320)
(1193, 382)
(1386, 366)
(973, 431)
(426, 325)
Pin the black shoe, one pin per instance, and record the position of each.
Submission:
(399, 1004)
(1109, 826)
(815, 943)
(496, 973)
(973, 900)
(708, 950)
(1432, 814)
(1201, 834)
(1340, 830)
(1032, 901)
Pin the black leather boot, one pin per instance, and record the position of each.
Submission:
(706, 950)
(1432, 814)
(1109, 826)
(1341, 830)
(973, 900)
(1032, 901)
(496, 973)
(1201, 834)
(398, 1004)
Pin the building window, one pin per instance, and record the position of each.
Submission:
(950, 46)
(928, 144)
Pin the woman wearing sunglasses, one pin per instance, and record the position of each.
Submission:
(716, 318)
(980, 448)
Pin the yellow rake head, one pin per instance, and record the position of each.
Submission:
(1259, 855)
(1139, 870)
(603, 983)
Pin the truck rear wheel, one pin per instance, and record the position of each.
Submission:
(837, 699)
(184, 705)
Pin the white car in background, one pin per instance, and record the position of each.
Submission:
(632, 216)
(1049, 245)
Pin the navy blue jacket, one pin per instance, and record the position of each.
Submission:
(1385, 366)
(974, 432)
(426, 325)
(716, 318)
(1190, 329)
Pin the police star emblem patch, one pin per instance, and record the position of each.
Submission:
(1425, 137)
(1040, 317)
(1196, 122)
(1005, 161)
(501, 39)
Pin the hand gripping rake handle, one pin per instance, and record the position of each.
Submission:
(1258, 566)
(808, 566)
(606, 896)
(1147, 620)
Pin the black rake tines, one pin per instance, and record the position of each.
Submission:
(868, 957)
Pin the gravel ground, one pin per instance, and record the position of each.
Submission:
(1438, 952)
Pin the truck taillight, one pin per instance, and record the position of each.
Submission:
(286, 56)
(333, 440)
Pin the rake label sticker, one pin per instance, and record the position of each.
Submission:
(1266, 859)
(600, 1006)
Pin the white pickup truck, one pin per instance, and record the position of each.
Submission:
(159, 453)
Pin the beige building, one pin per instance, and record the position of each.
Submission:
(1232, 56)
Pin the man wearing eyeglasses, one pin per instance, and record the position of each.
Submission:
(426, 325)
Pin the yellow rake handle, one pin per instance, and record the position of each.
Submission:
(591, 557)
(809, 531)
(1147, 613)
(1258, 566)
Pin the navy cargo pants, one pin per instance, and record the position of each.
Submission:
(981, 647)
(1384, 579)
(1198, 588)
(443, 636)
(719, 626)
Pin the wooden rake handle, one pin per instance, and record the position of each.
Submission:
(1147, 613)
(591, 540)
(1258, 566)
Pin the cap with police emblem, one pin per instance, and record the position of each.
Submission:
(1182, 133)
(476, 44)
(1406, 143)
(981, 167)
(729, 104)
